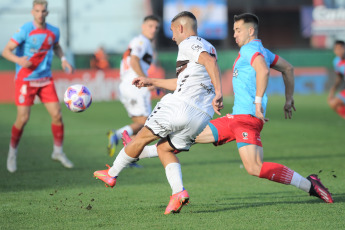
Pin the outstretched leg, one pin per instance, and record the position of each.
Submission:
(252, 158)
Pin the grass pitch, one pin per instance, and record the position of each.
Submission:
(44, 195)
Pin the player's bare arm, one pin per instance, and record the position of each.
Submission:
(168, 84)
(135, 64)
(64, 63)
(9, 55)
(262, 73)
(335, 86)
(288, 76)
(212, 69)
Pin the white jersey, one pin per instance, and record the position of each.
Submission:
(194, 84)
(141, 47)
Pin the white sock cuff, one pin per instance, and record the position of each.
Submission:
(122, 160)
(174, 176)
(172, 166)
(300, 182)
(58, 149)
(12, 150)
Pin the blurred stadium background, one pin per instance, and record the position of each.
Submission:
(301, 31)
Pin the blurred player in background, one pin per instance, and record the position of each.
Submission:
(338, 102)
(179, 117)
(135, 62)
(35, 43)
(250, 78)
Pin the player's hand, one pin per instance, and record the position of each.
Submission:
(142, 82)
(24, 62)
(289, 105)
(217, 103)
(67, 67)
(259, 112)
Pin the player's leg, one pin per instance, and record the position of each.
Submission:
(57, 127)
(126, 156)
(207, 135)
(338, 103)
(252, 156)
(173, 172)
(23, 115)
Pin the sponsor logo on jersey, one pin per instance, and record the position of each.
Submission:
(235, 73)
(209, 89)
(50, 40)
(196, 47)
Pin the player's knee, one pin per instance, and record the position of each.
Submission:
(22, 119)
(253, 170)
(57, 117)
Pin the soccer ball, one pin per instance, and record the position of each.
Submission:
(77, 98)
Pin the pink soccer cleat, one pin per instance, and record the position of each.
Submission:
(176, 202)
(125, 138)
(317, 189)
(104, 176)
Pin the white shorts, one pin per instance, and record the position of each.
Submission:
(136, 101)
(180, 122)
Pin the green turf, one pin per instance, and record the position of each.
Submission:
(44, 195)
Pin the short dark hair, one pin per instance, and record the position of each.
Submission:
(339, 42)
(248, 18)
(184, 14)
(153, 18)
(188, 15)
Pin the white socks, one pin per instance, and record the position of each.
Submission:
(300, 182)
(122, 161)
(120, 131)
(12, 150)
(174, 176)
(149, 152)
(57, 149)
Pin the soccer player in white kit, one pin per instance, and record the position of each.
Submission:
(135, 62)
(179, 117)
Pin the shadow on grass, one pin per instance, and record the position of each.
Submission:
(338, 198)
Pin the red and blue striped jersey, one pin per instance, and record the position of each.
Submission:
(37, 44)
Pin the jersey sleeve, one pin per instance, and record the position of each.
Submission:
(57, 36)
(249, 53)
(19, 36)
(192, 50)
(273, 58)
(138, 47)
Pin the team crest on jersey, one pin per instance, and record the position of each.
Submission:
(245, 135)
(235, 73)
(34, 40)
(196, 47)
(50, 40)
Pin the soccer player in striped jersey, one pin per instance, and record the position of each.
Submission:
(35, 43)
(337, 103)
